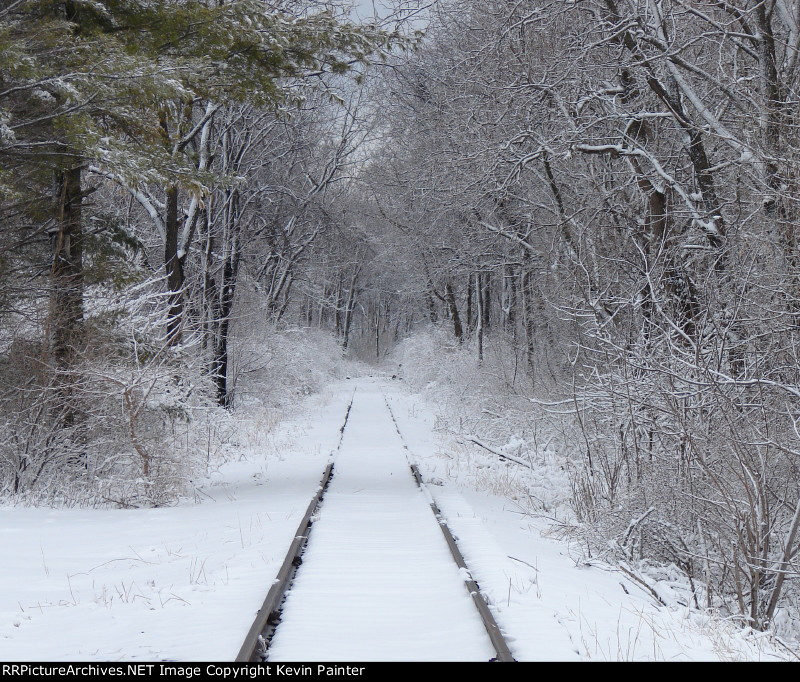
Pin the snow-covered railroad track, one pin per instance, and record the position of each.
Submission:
(499, 643)
(378, 581)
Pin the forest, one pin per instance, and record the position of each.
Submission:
(586, 209)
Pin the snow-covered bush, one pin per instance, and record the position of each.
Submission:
(273, 365)
(120, 426)
(490, 403)
(685, 466)
(136, 419)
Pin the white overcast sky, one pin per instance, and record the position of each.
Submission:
(367, 9)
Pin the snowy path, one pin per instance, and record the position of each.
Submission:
(377, 580)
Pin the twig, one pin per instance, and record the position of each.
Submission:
(643, 584)
(523, 562)
(501, 455)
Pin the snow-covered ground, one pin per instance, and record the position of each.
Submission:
(183, 583)
(179, 583)
(550, 605)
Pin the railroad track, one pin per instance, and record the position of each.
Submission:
(256, 647)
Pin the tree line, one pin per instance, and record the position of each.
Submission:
(152, 156)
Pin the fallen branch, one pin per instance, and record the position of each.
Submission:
(640, 581)
(509, 458)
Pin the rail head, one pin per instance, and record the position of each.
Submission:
(254, 644)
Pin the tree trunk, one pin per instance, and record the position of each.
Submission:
(480, 315)
(510, 302)
(66, 300)
(528, 313)
(66, 304)
(227, 291)
(470, 323)
(458, 330)
(338, 319)
(309, 311)
(378, 331)
(485, 304)
(778, 207)
(174, 266)
(209, 284)
(432, 316)
(351, 304)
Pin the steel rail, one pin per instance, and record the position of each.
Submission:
(504, 654)
(499, 643)
(255, 643)
(257, 640)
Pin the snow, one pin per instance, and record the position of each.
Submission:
(549, 604)
(179, 583)
(377, 582)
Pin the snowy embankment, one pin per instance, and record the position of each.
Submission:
(177, 583)
(551, 604)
